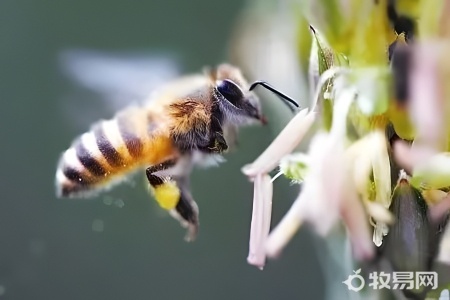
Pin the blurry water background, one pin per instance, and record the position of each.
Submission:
(120, 245)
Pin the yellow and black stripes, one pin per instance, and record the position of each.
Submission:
(129, 131)
(82, 166)
(111, 148)
(87, 159)
(106, 148)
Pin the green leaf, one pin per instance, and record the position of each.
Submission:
(324, 54)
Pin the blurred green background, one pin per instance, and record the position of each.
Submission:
(88, 249)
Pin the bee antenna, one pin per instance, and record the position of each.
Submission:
(281, 95)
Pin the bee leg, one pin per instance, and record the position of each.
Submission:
(186, 210)
(217, 144)
(217, 134)
(220, 142)
(173, 195)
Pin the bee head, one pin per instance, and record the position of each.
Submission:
(236, 102)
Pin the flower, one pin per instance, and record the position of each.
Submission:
(379, 158)
(332, 184)
(262, 210)
(286, 141)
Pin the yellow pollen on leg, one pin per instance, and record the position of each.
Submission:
(167, 195)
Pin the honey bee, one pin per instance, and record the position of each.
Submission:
(188, 122)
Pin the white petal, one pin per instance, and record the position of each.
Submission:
(283, 144)
(355, 219)
(427, 104)
(379, 213)
(284, 231)
(438, 211)
(381, 168)
(380, 231)
(323, 185)
(261, 216)
(404, 156)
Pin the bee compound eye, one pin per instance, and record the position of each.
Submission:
(230, 91)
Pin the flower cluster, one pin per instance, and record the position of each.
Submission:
(380, 105)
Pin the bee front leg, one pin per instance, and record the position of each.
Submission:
(173, 194)
(217, 143)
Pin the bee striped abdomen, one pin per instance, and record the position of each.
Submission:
(88, 159)
(111, 155)
(128, 131)
(82, 166)
(111, 149)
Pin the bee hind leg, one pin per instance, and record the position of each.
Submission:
(173, 194)
(186, 211)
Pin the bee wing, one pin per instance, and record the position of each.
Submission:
(113, 80)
